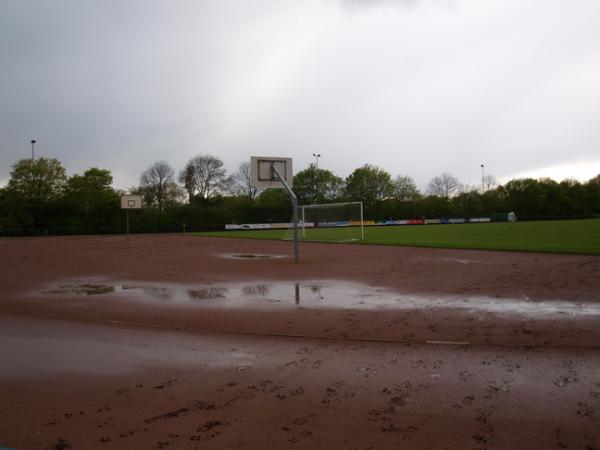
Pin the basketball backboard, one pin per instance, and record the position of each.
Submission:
(131, 202)
(262, 175)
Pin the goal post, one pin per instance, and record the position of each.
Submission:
(332, 222)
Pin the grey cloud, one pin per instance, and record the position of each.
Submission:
(407, 85)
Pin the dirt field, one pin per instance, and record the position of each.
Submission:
(173, 342)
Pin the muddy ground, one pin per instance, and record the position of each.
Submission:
(168, 341)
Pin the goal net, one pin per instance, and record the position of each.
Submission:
(332, 222)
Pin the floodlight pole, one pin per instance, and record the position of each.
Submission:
(294, 200)
(482, 178)
(317, 156)
(362, 223)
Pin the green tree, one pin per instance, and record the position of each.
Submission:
(592, 194)
(40, 179)
(90, 200)
(313, 185)
(525, 197)
(369, 184)
(32, 196)
(273, 205)
(575, 193)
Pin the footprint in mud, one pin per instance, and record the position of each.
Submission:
(564, 380)
(304, 351)
(302, 420)
(51, 422)
(331, 392)
(406, 432)
(295, 364)
(367, 371)
(584, 410)
(463, 376)
(168, 415)
(418, 364)
(166, 384)
(209, 430)
(480, 438)
(298, 391)
(466, 401)
(511, 366)
(484, 414)
(401, 393)
(227, 385)
(61, 444)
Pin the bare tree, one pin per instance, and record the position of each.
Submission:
(444, 185)
(204, 175)
(489, 182)
(158, 185)
(241, 181)
(405, 188)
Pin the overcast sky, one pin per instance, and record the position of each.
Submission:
(417, 87)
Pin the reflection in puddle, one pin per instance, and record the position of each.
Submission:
(207, 293)
(82, 289)
(322, 294)
(254, 290)
(250, 256)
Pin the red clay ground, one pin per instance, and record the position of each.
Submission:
(158, 367)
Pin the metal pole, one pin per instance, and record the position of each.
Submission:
(362, 223)
(127, 220)
(295, 219)
(32, 149)
(317, 156)
(294, 200)
(303, 223)
(482, 189)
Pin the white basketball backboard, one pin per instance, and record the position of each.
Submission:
(131, 202)
(263, 176)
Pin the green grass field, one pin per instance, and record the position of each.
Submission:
(567, 236)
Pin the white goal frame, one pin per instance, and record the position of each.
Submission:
(328, 205)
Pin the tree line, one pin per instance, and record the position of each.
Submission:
(40, 197)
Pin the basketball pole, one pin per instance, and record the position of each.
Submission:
(294, 200)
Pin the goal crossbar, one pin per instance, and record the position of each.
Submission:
(359, 221)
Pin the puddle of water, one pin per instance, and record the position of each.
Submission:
(250, 256)
(207, 293)
(82, 289)
(37, 347)
(322, 295)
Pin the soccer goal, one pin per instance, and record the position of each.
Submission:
(331, 222)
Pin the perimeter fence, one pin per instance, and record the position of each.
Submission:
(93, 230)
